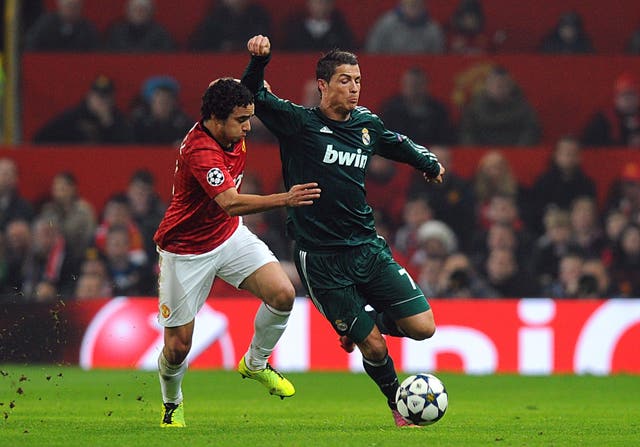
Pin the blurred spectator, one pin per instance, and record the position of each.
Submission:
(624, 193)
(429, 275)
(499, 114)
(75, 215)
(586, 233)
(549, 248)
(50, 267)
(619, 124)
(229, 26)
(416, 113)
(567, 282)
(435, 240)
(28, 12)
(494, 176)
(408, 28)
(452, 200)
(46, 292)
(614, 222)
(459, 279)
(633, 44)
(127, 277)
(89, 286)
(502, 234)
(96, 268)
(138, 31)
(595, 281)
(320, 27)
(466, 32)
(562, 182)
(17, 244)
(626, 262)
(96, 120)
(505, 276)
(64, 29)
(310, 93)
(117, 213)
(568, 36)
(145, 207)
(416, 211)
(159, 119)
(12, 204)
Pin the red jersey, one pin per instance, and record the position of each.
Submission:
(194, 223)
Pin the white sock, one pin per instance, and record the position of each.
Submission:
(269, 325)
(171, 379)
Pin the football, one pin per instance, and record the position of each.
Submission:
(422, 399)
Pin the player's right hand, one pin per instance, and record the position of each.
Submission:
(301, 195)
(259, 45)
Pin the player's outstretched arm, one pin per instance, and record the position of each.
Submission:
(236, 204)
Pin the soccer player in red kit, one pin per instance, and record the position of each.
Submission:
(202, 236)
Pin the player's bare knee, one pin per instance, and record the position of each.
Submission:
(282, 298)
(422, 332)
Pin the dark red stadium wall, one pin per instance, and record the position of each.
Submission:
(610, 23)
(563, 90)
(102, 172)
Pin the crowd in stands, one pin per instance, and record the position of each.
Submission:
(498, 113)
(485, 236)
(405, 27)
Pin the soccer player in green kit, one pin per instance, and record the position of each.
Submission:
(341, 260)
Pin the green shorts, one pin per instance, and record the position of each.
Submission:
(342, 284)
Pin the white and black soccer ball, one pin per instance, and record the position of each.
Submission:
(422, 399)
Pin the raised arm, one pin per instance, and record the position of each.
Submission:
(260, 49)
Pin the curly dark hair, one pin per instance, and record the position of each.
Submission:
(222, 96)
(326, 66)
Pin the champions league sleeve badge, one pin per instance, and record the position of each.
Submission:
(215, 177)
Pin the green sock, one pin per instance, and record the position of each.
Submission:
(384, 375)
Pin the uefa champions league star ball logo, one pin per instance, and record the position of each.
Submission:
(215, 177)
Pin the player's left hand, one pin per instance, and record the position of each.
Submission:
(259, 45)
(438, 178)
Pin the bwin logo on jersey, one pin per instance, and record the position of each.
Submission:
(345, 158)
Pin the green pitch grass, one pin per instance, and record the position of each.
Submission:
(63, 406)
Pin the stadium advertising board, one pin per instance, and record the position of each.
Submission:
(526, 336)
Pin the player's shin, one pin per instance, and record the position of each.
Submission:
(269, 325)
(171, 379)
(384, 375)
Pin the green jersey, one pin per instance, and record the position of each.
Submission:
(335, 154)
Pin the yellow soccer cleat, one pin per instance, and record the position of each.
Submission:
(270, 378)
(172, 415)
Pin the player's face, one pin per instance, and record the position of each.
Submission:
(236, 126)
(342, 92)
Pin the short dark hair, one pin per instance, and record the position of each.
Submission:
(326, 66)
(222, 96)
(143, 176)
(68, 177)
